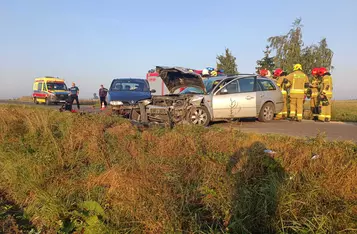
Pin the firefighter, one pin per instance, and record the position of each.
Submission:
(313, 92)
(325, 95)
(299, 82)
(269, 75)
(276, 74)
(205, 73)
(284, 84)
(263, 72)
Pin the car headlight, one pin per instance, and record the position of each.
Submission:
(116, 103)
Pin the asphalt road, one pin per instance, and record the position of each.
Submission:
(306, 128)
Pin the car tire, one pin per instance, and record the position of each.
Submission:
(267, 112)
(200, 116)
(35, 101)
(47, 102)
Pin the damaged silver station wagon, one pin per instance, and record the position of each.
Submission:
(209, 99)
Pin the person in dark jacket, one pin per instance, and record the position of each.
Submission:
(74, 92)
(103, 95)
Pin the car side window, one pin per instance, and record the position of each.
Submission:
(246, 85)
(232, 87)
(266, 85)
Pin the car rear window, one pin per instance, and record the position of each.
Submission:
(266, 85)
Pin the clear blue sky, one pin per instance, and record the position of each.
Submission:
(91, 42)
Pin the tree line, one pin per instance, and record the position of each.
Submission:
(288, 49)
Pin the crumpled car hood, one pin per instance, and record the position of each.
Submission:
(179, 77)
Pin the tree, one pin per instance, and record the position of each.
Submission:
(227, 62)
(266, 62)
(289, 50)
(95, 96)
(288, 47)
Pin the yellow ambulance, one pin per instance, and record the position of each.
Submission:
(49, 90)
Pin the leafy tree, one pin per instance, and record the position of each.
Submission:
(290, 50)
(266, 62)
(227, 62)
(324, 55)
(288, 47)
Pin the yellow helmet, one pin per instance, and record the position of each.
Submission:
(297, 67)
(213, 73)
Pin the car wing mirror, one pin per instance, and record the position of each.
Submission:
(153, 91)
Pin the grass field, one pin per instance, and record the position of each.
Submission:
(65, 173)
(81, 101)
(344, 111)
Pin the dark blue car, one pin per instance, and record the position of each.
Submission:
(124, 93)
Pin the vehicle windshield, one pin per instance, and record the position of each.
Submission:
(130, 85)
(208, 83)
(56, 86)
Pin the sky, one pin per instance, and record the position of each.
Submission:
(92, 42)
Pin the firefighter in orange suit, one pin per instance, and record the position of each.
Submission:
(284, 84)
(325, 95)
(313, 93)
(299, 83)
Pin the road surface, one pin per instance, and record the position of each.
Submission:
(307, 128)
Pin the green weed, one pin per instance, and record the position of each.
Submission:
(99, 174)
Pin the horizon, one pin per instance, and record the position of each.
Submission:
(92, 43)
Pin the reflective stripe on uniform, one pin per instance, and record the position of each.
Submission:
(283, 91)
(314, 94)
(299, 115)
(300, 91)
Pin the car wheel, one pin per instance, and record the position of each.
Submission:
(200, 116)
(267, 112)
(47, 102)
(35, 100)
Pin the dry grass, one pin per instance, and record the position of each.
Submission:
(185, 180)
(345, 111)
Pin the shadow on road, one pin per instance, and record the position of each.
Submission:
(258, 179)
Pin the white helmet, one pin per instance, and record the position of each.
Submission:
(205, 72)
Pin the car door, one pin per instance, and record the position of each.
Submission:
(266, 91)
(236, 99)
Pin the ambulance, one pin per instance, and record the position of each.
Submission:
(49, 90)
